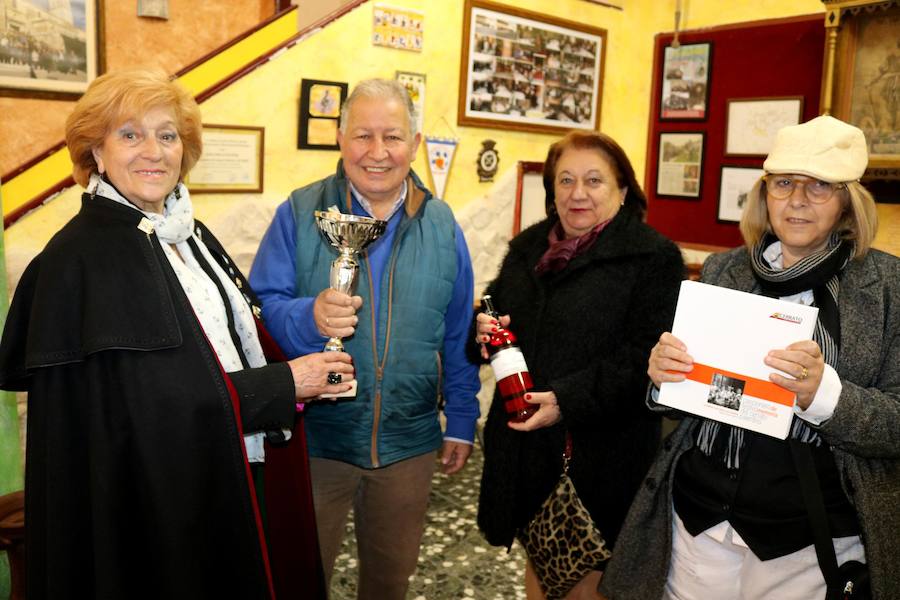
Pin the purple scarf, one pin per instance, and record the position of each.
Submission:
(562, 249)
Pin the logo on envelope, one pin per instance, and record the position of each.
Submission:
(785, 317)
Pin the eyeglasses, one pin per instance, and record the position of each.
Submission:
(817, 191)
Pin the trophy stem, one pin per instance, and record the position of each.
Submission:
(334, 345)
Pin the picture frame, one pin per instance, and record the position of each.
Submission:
(320, 113)
(400, 28)
(679, 169)
(153, 9)
(50, 55)
(415, 87)
(528, 71)
(232, 160)
(751, 123)
(530, 207)
(864, 57)
(735, 183)
(684, 92)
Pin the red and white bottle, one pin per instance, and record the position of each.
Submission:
(510, 370)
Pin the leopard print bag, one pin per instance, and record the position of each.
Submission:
(562, 541)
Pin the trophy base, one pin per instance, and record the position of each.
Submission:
(351, 393)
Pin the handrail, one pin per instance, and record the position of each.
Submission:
(30, 185)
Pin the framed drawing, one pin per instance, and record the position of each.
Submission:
(400, 28)
(530, 205)
(751, 123)
(320, 114)
(680, 166)
(734, 187)
(415, 87)
(866, 76)
(49, 50)
(685, 82)
(232, 160)
(529, 71)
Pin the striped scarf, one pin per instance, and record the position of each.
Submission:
(818, 272)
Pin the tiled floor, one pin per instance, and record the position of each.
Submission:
(455, 562)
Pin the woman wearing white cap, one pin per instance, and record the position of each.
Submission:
(722, 512)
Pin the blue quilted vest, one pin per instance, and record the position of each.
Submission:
(394, 415)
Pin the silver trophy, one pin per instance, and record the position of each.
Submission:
(350, 234)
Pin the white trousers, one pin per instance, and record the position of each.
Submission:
(704, 568)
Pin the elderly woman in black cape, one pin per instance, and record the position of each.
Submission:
(722, 512)
(149, 384)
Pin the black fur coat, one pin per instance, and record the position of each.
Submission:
(586, 333)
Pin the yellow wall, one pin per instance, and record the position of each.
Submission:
(342, 52)
(269, 96)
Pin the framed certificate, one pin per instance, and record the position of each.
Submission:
(232, 160)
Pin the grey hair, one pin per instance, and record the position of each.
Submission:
(384, 89)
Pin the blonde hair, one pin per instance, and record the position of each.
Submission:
(117, 96)
(858, 221)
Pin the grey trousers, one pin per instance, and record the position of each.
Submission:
(389, 506)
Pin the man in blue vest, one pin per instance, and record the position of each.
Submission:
(406, 330)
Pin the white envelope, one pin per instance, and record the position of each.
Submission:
(728, 333)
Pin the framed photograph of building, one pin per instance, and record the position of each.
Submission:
(685, 82)
(734, 187)
(232, 160)
(751, 123)
(320, 114)
(529, 71)
(49, 49)
(678, 173)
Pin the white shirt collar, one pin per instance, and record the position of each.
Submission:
(367, 206)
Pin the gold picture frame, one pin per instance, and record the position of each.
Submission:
(862, 66)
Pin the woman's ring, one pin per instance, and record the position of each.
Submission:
(803, 374)
(334, 378)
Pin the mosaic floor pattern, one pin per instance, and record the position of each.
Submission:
(455, 563)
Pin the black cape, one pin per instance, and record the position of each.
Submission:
(137, 483)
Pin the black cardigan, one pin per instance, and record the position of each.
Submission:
(586, 333)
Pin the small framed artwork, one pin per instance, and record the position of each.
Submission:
(530, 197)
(400, 28)
(751, 123)
(232, 160)
(529, 71)
(49, 51)
(680, 165)
(415, 87)
(685, 82)
(734, 187)
(320, 113)
(157, 9)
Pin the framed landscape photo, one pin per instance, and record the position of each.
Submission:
(751, 123)
(320, 114)
(529, 71)
(49, 50)
(685, 82)
(232, 160)
(680, 164)
(734, 187)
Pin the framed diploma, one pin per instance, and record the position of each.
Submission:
(232, 160)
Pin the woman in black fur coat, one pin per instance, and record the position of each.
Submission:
(587, 292)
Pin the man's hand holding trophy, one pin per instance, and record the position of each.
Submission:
(335, 308)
